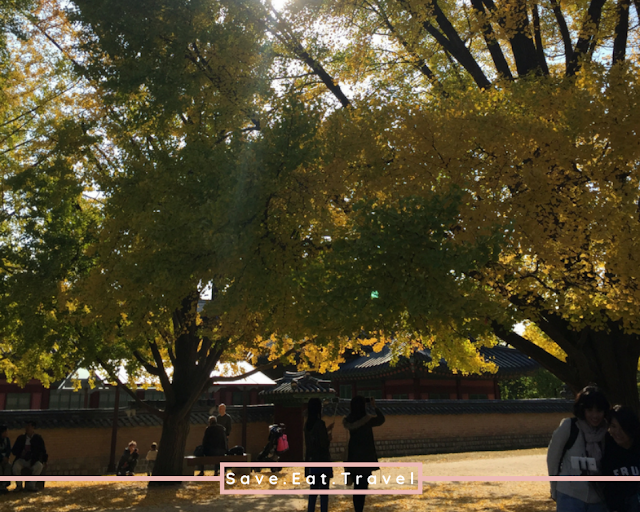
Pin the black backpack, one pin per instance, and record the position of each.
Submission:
(570, 442)
(237, 450)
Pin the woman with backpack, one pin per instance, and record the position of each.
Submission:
(622, 458)
(361, 446)
(317, 439)
(581, 436)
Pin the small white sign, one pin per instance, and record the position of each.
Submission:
(583, 463)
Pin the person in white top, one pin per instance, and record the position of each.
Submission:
(576, 449)
(151, 458)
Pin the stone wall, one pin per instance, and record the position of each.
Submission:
(420, 434)
(85, 451)
(79, 442)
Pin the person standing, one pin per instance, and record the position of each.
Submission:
(582, 436)
(361, 447)
(30, 452)
(622, 458)
(225, 420)
(152, 455)
(5, 453)
(317, 439)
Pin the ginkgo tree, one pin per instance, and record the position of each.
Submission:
(417, 172)
(46, 219)
(195, 166)
(529, 109)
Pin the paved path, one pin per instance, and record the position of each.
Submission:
(513, 463)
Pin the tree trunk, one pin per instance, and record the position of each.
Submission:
(606, 358)
(173, 440)
(611, 361)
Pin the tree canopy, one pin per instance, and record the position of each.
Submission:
(528, 109)
(415, 172)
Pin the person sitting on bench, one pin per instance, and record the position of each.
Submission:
(5, 453)
(214, 441)
(30, 453)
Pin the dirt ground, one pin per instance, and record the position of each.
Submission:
(201, 497)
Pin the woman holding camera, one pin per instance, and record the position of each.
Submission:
(317, 438)
(361, 446)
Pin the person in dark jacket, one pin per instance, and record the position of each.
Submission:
(128, 461)
(5, 453)
(622, 458)
(317, 439)
(30, 452)
(361, 446)
(214, 441)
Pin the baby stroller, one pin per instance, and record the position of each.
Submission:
(276, 445)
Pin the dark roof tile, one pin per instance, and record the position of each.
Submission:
(299, 383)
(103, 418)
(510, 363)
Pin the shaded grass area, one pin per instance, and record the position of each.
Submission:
(466, 496)
(453, 457)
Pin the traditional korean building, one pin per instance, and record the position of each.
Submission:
(374, 375)
(76, 393)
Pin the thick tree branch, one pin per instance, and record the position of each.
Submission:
(418, 62)
(564, 32)
(522, 47)
(205, 347)
(559, 368)
(114, 377)
(149, 368)
(262, 367)
(172, 356)
(499, 60)
(280, 31)
(450, 41)
(537, 33)
(162, 373)
(622, 31)
(587, 37)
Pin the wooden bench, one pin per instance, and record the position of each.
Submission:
(213, 460)
(27, 472)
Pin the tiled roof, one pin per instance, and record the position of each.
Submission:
(509, 360)
(510, 363)
(257, 379)
(103, 418)
(299, 383)
(411, 407)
